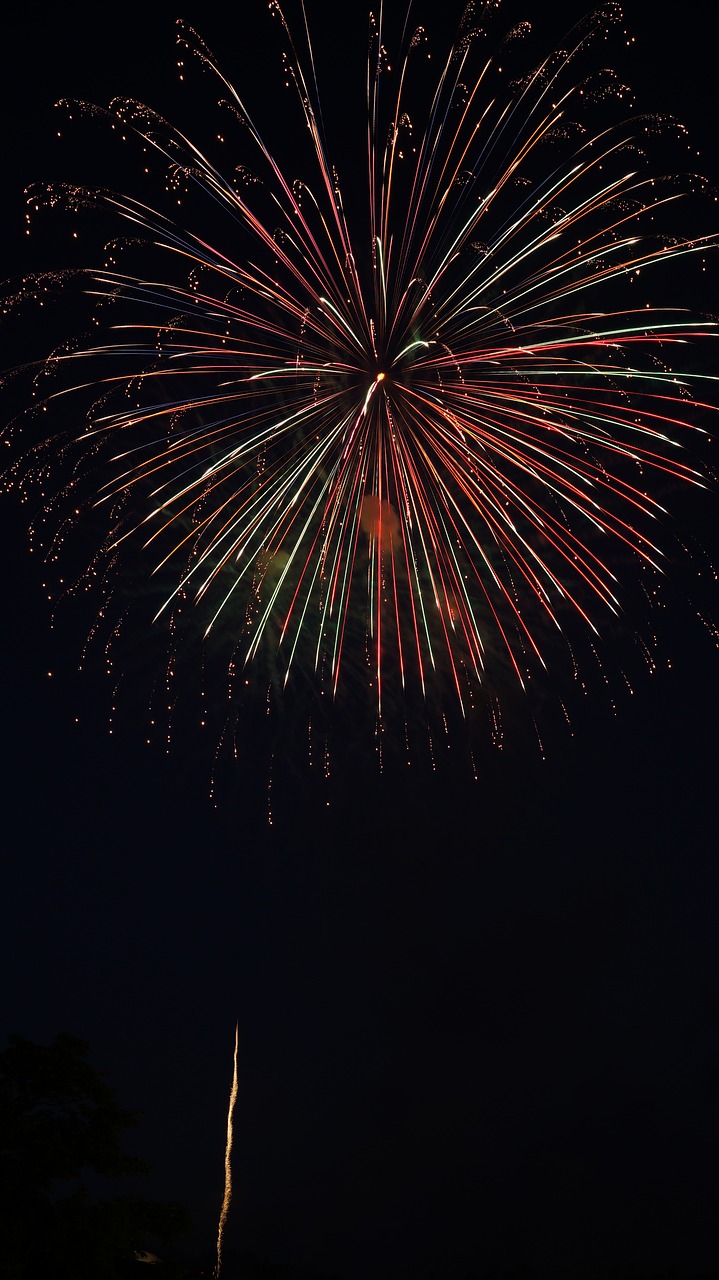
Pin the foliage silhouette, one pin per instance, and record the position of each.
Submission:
(61, 1131)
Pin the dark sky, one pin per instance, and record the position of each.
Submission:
(477, 1022)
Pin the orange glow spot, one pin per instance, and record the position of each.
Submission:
(380, 521)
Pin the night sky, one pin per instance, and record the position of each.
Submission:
(478, 1021)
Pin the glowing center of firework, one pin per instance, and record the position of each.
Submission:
(372, 388)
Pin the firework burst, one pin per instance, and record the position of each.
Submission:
(383, 459)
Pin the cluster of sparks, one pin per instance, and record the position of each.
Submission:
(400, 443)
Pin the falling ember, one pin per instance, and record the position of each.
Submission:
(228, 1161)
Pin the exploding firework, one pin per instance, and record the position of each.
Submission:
(385, 449)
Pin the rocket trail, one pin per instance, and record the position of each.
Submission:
(228, 1161)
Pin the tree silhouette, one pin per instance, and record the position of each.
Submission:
(61, 1132)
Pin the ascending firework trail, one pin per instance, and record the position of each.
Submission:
(227, 1196)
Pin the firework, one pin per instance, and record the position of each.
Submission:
(382, 460)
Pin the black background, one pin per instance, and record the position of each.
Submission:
(478, 1024)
